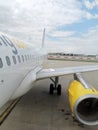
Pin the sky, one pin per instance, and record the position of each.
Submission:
(71, 25)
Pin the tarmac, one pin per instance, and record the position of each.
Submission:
(37, 110)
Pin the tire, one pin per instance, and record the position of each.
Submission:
(59, 90)
(51, 89)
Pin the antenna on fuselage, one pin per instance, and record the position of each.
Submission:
(43, 38)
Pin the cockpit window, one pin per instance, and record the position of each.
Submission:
(1, 63)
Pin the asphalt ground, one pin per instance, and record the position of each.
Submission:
(37, 110)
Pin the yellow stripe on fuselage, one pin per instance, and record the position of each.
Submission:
(19, 44)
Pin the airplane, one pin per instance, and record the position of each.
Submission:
(21, 65)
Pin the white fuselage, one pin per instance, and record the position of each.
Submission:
(19, 63)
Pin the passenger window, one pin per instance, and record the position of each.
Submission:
(25, 57)
(22, 58)
(28, 57)
(32, 56)
(19, 59)
(14, 59)
(1, 63)
(8, 60)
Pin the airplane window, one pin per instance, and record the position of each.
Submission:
(19, 59)
(1, 63)
(25, 57)
(22, 58)
(28, 57)
(8, 61)
(31, 56)
(14, 59)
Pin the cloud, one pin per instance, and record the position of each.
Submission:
(45, 13)
(86, 44)
(90, 16)
(91, 4)
(32, 16)
(61, 34)
(26, 20)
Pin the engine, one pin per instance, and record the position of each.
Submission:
(83, 101)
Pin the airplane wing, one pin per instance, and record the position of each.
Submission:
(81, 95)
(52, 72)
